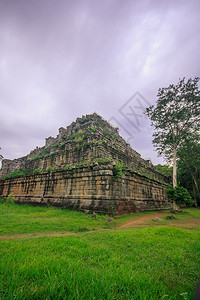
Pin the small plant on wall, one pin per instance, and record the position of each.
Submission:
(118, 170)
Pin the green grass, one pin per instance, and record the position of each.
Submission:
(189, 215)
(22, 219)
(150, 262)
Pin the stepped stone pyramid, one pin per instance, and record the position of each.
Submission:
(87, 167)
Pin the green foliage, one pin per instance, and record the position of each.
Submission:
(10, 199)
(180, 195)
(2, 200)
(75, 135)
(78, 140)
(109, 132)
(165, 170)
(82, 161)
(101, 124)
(44, 153)
(103, 160)
(61, 145)
(55, 145)
(92, 129)
(101, 141)
(37, 171)
(50, 169)
(118, 170)
(18, 173)
(68, 167)
(176, 115)
(189, 167)
(85, 145)
(52, 155)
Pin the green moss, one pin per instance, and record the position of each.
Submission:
(44, 153)
(55, 145)
(92, 129)
(103, 160)
(78, 140)
(18, 173)
(75, 135)
(101, 141)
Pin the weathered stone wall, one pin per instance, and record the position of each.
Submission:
(87, 139)
(92, 146)
(88, 189)
(69, 172)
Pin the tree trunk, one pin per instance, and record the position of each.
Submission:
(174, 169)
(197, 193)
(195, 197)
(175, 206)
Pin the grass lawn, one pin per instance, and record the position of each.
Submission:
(150, 262)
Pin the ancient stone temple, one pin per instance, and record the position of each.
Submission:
(87, 167)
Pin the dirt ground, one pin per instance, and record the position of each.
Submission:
(133, 223)
(142, 220)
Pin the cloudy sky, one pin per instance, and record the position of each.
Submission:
(61, 59)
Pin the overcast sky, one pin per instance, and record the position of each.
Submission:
(62, 59)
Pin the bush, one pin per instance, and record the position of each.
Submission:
(36, 171)
(180, 195)
(10, 200)
(2, 200)
(118, 170)
(50, 169)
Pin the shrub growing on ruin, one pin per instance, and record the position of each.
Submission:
(118, 170)
(36, 171)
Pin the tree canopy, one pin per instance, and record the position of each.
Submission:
(176, 116)
(189, 168)
(165, 170)
(175, 119)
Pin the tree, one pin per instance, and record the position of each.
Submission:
(175, 118)
(180, 195)
(165, 170)
(189, 168)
